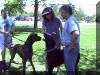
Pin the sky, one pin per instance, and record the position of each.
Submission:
(88, 6)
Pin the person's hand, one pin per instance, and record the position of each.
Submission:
(53, 33)
(11, 33)
(70, 48)
(47, 33)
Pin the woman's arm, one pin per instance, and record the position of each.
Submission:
(44, 30)
(60, 31)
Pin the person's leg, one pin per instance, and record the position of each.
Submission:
(76, 66)
(69, 62)
(3, 55)
(70, 59)
(2, 49)
(10, 45)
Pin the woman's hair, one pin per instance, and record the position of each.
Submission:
(50, 11)
(67, 9)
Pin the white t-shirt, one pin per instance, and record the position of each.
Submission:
(1, 35)
(6, 25)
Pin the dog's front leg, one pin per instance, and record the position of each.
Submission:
(24, 66)
(13, 53)
(32, 65)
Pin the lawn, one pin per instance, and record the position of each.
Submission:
(87, 46)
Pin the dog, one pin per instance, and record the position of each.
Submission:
(3, 66)
(54, 56)
(25, 51)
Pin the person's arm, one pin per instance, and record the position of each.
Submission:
(74, 31)
(12, 28)
(75, 35)
(3, 32)
(60, 32)
(61, 29)
(44, 31)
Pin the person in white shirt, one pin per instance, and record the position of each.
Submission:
(70, 39)
(7, 26)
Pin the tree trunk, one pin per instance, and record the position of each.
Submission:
(35, 15)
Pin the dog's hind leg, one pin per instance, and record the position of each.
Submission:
(24, 66)
(32, 64)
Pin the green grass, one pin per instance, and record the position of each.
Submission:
(87, 45)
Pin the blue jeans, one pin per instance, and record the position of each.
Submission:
(8, 42)
(71, 59)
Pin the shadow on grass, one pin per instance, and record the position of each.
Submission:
(43, 73)
(27, 29)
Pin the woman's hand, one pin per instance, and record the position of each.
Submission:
(53, 33)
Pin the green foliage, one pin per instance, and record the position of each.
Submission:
(79, 14)
(42, 0)
(39, 14)
(93, 18)
(55, 8)
(14, 7)
(30, 14)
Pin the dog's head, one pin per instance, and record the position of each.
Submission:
(49, 40)
(34, 37)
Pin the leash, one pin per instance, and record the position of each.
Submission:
(50, 50)
(15, 38)
(18, 39)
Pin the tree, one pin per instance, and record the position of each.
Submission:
(93, 18)
(14, 7)
(79, 14)
(36, 14)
